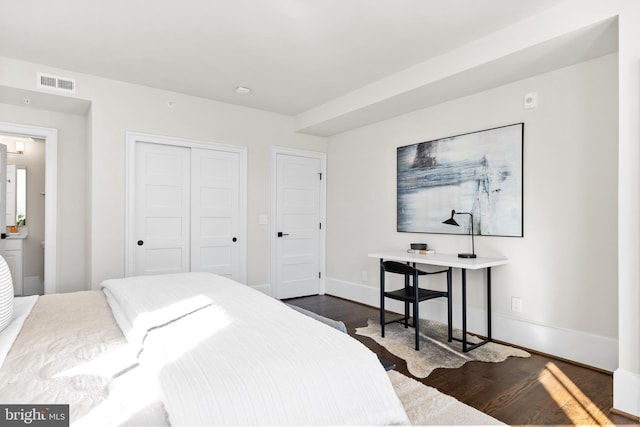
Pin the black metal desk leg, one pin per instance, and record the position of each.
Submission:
(382, 320)
(450, 303)
(488, 303)
(464, 310)
(465, 345)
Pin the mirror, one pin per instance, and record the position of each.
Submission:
(16, 195)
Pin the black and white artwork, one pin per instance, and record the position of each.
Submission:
(478, 172)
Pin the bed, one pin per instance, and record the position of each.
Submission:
(189, 349)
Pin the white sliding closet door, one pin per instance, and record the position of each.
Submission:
(215, 203)
(162, 209)
(186, 203)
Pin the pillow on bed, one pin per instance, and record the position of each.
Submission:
(6, 294)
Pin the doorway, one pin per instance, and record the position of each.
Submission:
(186, 207)
(298, 232)
(25, 211)
(45, 176)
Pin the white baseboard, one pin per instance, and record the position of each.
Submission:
(589, 349)
(626, 392)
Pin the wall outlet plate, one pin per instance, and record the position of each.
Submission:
(516, 304)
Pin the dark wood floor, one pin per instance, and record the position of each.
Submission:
(519, 391)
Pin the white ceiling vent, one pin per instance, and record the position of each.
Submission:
(48, 81)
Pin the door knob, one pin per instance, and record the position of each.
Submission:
(234, 239)
(280, 234)
(140, 243)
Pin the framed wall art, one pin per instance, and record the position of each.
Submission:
(478, 172)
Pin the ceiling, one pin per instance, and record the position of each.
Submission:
(294, 54)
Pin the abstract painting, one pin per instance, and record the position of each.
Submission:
(478, 172)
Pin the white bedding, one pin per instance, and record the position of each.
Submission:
(225, 354)
(71, 351)
(21, 308)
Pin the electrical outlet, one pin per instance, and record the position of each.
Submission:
(365, 275)
(516, 304)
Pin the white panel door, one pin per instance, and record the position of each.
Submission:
(3, 194)
(215, 216)
(298, 184)
(162, 209)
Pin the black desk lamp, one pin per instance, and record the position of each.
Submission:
(452, 221)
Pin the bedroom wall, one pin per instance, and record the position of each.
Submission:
(565, 267)
(72, 218)
(118, 107)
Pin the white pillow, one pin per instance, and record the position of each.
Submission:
(6, 294)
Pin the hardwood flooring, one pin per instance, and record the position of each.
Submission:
(519, 391)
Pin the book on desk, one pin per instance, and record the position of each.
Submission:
(421, 251)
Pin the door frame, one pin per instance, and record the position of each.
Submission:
(50, 136)
(275, 150)
(130, 163)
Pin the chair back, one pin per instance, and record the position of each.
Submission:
(399, 268)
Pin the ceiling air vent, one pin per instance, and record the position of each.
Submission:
(48, 81)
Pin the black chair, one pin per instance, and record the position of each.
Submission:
(411, 294)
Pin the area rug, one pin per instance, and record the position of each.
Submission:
(435, 351)
(425, 405)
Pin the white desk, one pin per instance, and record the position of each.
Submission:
(453, 261)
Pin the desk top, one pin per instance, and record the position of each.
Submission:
(445, 260)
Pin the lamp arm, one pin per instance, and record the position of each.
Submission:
(452, 221)
(473, 245)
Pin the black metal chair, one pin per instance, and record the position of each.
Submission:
(411, 293)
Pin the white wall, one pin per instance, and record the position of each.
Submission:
(118, 107)
(71, 227)
(565, 266)
(626, 380)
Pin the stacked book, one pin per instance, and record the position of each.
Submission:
(421, 251)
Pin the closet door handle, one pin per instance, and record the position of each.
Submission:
(235, 239)
(140, 243)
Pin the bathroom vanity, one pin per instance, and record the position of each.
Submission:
(14, 249)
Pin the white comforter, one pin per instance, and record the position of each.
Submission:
(226, 354)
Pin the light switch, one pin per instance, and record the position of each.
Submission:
(263, 220)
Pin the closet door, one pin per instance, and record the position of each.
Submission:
(215, 212)
(162, 205)
(186, 205)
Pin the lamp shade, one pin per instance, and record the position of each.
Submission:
(451, 221)
(6, 294)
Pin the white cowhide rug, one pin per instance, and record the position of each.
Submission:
(435, 351)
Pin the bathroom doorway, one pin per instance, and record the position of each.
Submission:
(25, 213)
(50, 138)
